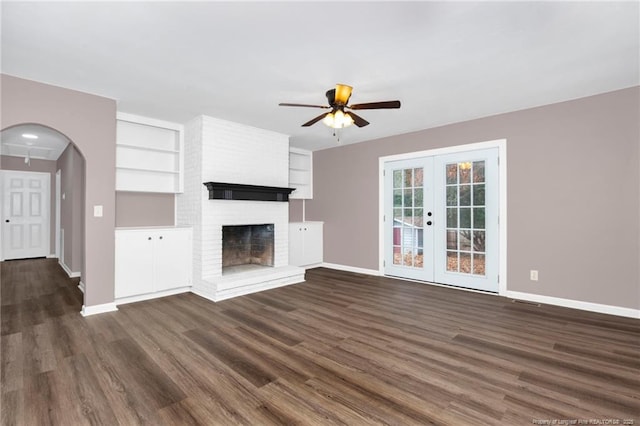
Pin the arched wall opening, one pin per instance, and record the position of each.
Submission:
(32, 147)
(90, 122)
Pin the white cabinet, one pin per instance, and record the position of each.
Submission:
(149, 155)
(305, 243)
(301, 173)
(152, 260)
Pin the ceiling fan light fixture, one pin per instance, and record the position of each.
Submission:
(343, 93)
(338, 120)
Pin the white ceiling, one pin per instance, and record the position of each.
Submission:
(446, 61)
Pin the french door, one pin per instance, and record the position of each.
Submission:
(25, 214)
(441, 219)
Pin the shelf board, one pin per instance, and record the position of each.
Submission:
(136, 169)
(144, 148)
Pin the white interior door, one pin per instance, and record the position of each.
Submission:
(25, 214)
(441, 219)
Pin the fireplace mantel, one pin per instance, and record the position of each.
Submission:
(233, 191)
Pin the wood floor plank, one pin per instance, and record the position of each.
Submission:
(341, 348)
(81, 386)
(11, 362)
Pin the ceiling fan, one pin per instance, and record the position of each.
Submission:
(339, 117)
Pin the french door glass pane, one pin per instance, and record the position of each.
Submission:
(408, 219)
(465, 195)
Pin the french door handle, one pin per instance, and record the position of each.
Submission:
(429, 223)
(7, 220)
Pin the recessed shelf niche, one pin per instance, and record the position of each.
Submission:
(149, 155)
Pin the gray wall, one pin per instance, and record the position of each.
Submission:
(144, 209)
(8, 162)
(573, 195)
(71, 166)
(89, 121)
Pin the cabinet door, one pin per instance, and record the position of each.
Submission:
(133, 263)
(296, 244)
(172, 263)
(312, 243)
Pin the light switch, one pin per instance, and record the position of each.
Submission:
(97, 211)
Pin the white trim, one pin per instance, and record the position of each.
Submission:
(548, 300)
(501, 144)
(52, 256)
(58, 209)
(575, 304)
(98, 309)
(69, 272)
(148, 296)
(81, 286)
(353, 269)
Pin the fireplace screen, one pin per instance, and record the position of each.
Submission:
(246, 245)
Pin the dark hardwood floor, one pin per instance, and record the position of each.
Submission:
(341, 348)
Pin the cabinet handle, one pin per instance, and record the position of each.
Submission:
(160, 236)
(305, 229)
(149, 238)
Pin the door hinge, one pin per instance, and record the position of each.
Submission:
(384, 217)
(384, 263)
(384, 173)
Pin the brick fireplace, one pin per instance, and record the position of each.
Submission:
(221, 151)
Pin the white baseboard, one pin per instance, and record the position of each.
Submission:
(70, 273)
(350, 269)
(548, 300)
(98, 309)
(52, 256)
(148, 296)
(575, 304)
(81, 286)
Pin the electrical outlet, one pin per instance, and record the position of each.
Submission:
(533, 275)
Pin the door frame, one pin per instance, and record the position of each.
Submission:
(501, 144)
(3, 175)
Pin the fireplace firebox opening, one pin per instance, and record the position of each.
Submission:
(246, 247)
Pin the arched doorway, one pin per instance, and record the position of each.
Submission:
(38, 153)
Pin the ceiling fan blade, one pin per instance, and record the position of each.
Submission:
(303, 105)
(357, 120)
(315, 120)
(377, 105)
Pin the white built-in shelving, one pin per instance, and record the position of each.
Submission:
(149, 155)
(301, 173)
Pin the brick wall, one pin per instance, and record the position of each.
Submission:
(221, 151)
